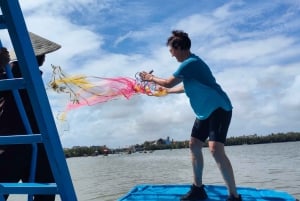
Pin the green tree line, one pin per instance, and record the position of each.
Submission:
(78, 151)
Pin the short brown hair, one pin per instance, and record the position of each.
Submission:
(179, 39)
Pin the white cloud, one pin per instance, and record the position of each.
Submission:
(290, 97)
(251, 50)
(262, 97)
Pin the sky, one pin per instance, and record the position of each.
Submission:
(252, 48)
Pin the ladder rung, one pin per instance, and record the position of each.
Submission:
(9, 84)
(28, 188)
(20, 139)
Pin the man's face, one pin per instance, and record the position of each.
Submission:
(177, 53)
(4, 57)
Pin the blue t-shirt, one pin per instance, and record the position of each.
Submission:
(204, 93)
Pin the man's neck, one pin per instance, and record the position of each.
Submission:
(186, 54)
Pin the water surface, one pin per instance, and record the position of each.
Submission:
(107, 178)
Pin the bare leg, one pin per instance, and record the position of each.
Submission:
(197, 191)
(218, 152)
(197, 160)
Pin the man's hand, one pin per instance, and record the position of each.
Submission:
(146, 76)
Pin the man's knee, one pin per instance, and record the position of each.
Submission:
(216, 149)
(196, 146)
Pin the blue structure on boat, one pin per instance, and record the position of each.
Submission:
(214, 192)
(13, 21)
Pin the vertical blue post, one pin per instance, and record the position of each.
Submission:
(35, 87)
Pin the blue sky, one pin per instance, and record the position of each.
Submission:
(252, 47)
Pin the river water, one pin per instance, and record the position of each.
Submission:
(107, 178)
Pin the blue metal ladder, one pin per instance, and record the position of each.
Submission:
(12, 19)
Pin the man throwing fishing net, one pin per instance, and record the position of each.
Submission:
(211, 106)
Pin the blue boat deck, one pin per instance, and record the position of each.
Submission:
(214, 192)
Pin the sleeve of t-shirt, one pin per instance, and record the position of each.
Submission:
(180, 72)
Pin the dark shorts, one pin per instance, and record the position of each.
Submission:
(215, 127)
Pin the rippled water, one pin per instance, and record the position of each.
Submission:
(107, 178)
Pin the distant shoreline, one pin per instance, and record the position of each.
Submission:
(150, 146)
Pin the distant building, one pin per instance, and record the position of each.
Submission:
(161, 141)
